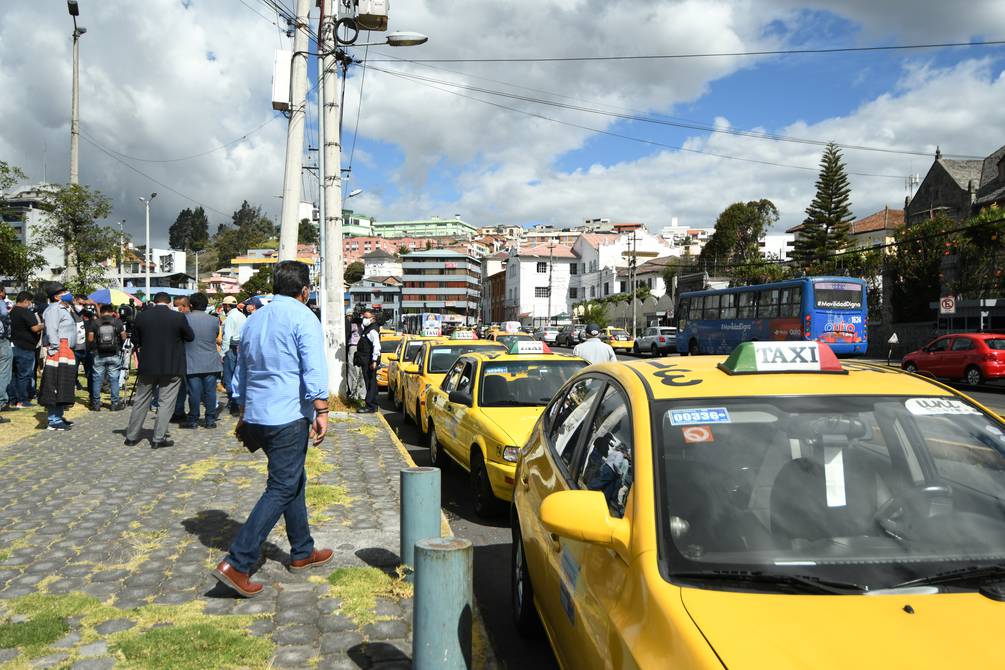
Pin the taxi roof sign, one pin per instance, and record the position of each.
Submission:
(431, 331)
(795, 356)
(463, 335)
(529, 347)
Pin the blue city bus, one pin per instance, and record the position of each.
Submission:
(826, 309)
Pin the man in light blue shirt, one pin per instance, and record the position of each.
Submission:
(281, 384)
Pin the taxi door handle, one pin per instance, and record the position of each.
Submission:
(525, 481)
(556, 542)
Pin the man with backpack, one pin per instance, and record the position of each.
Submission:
(105, 336)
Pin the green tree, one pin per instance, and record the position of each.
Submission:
(353, 272)
(737, 232)
(827, 225)
(915, 266)
(594, 312)
(308, 233)
(17, 261)
(249, 228)
(403, 250)
(190, 230)
(258, 283)
(73, 225)
(759, 271)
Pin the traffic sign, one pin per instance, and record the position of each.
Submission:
(947, 305)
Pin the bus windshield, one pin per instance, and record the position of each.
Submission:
(837, 295)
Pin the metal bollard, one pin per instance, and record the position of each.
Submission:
(444, 597)
(420, 510)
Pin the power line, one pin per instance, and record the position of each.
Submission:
(720, 54)
(689, 125)
(259, 13)
(359, 105)
(622, 136)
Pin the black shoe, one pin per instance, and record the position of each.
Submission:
(130, 443)
(118, 406)
(95, 407)
(178, 418)
(4, 419)
(187, 426)
(8, 408)
(67, 422)
(155, 444)
(209, 424)
(235, 411)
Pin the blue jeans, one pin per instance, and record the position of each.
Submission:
(105, 364)
(202, 387)
(6, 360)
(24, 369)
(56, 414)
(229, 363)
(286, 448)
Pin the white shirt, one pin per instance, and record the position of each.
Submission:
(374, 336)
(594, 351)
(232, 326)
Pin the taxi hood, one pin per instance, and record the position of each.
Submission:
(788, 632)
(516, 422)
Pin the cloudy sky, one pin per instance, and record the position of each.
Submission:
(170, 87)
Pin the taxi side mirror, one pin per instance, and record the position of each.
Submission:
(410, 368)
(392, 357)
(582, 515)
(461, 398)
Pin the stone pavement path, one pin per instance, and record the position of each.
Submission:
(139, 530)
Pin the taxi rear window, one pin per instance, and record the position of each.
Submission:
(388, 346)
(524, 383)
(441, 357)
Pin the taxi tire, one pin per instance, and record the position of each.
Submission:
(436, 456)
(399, 405)
(423, 435)
(485, 502)
(525, 616)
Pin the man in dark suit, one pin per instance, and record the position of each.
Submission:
(159, 334)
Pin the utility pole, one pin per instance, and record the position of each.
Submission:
(551, 272)
(122, 279)
(74, 10)
(293, 177)
(631, 277)
(146, 251)
(333, 307)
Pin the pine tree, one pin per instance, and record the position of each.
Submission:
(827, 227)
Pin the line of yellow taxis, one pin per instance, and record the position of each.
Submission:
(778, 508)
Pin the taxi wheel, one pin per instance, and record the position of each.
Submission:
(399, 404)
(525, 616)
(635, 349)
(436, 458)
(486, 503)
(423, 434)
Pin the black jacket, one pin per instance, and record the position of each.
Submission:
(160, 335)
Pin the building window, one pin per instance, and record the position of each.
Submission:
(572, 293)
(593, 291)
(573, 268)
(607, 288)
(541, 292)
(542, 268)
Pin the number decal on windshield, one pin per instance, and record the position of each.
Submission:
(668, 374)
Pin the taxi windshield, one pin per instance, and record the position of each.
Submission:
(619, 334)
(870, 490)
(388, 346)
(442, 356)
(524, 383)
(508, 340)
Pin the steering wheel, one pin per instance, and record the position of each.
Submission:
(897, 515)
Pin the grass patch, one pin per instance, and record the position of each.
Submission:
(359, 588)
(322, 497)
(4, 554)
(33, 635)
(193, 647)
(144, 541)
(315, 464)
(201, 469)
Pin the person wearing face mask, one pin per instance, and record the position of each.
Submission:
(80, 352)
(368, 354)
(56, 390)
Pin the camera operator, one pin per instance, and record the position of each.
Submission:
(126, 314)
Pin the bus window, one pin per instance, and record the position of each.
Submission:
(767, 304)
(711, 311)
(685, 305)
(747, 305)
(791, 302)
(727, 306)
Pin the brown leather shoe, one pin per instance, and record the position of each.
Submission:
(239, 581)
(317, 557)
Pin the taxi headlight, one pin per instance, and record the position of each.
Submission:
(511, 454)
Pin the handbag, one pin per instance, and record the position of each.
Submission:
(243, 434)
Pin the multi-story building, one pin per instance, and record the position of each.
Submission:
(380, 294)
(442, 281)
(431, 227)
(776, 246)
(537, 283)
(496, 292)
(354, 248)
(355, 224)
(601, 254)
(256, 259)
(491, 266)
(958, 188)
(28, 213)
(379, 263)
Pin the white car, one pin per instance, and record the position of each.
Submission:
(548, 334)
(656, 341)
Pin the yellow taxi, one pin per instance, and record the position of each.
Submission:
(389, 341)
(484, 410)
(618, 338)
(508, 338)
(776, 509)
(428, 367)
(408, 347)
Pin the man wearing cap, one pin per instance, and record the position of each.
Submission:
(233, 322)
(593, 350)
(59, 376)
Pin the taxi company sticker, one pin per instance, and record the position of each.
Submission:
(696, 434)
(440, 351)
(496, 370)
(700, 415)
(933, 406)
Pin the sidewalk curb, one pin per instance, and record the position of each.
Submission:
(481, 650)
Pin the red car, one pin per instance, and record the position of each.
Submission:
(972, 357)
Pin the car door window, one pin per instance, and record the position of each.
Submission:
(607, 464)
(963, 344)
(465, 377)
(571, 412)
(450, 381)
(939, 346)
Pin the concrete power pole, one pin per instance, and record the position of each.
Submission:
(295, 137)
(332, 304)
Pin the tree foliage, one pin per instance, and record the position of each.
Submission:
(72, 224)
(249, 228)
(259, 283)
(737, 232)
(827, 226)
(354, 272)
(17, 261)
(594, 312)
(308, 233)
(190, 230)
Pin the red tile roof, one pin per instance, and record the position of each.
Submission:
(546, 250)
(884, 219)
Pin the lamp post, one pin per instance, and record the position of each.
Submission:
(74, 9)
(122, 281)
(146, 253)
(329, 118)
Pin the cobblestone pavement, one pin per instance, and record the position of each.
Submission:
(138, 528)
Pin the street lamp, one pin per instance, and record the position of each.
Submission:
(74, 9)
(122, 282)
(353, 193)
(146, 254)
(403, 38)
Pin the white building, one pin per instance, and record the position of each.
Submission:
(168, 269)
(379, 263)
(776, 246)
(28, 213)
(537, 283)
(599, 257)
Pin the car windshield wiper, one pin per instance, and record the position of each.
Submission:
(510, 403)
(808, 583)
(973, 573)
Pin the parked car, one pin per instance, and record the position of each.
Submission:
(972, 357)
(547, 334)
(656, 341)
(569, 336)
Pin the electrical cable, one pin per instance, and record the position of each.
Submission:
(359, 104)
(627, 137)
(722, 54)
(259, 13)
(658, 121)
